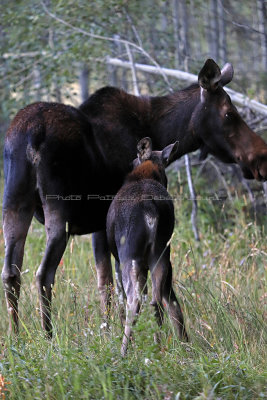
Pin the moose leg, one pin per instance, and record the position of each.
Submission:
(16, 222)
(173, 305)
(158, 281)
(134, 281)
(57, 239)
(119, 291)
(103, 269)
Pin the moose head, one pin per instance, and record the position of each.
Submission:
(223, 132)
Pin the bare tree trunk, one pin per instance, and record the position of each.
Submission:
(207, 29)
(163, 14)
(58, 93)
(152, 30)
(37, 83)
(195, 50)
(213, 34)
(134, 76)
(222, 32)
(165, 22)
(262, 15)
(84, 82)
(185, 55)
(193, 197)
(123, 73)
(184, 34)
(265, 191)
(51, 42)
(175, 20)
(112, 74)
(178, 59)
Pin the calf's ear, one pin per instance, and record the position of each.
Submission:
(209, 76)
(169, 154)
(144, 149)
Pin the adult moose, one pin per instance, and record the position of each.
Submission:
(53, 152)
(140, 224)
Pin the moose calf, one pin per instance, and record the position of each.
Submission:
(140, 223)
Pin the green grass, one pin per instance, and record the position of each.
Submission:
(222, 289)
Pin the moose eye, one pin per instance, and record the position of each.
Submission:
(228, 117)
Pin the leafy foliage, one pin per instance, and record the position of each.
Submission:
(43, 49)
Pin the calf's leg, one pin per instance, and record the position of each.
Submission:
(119, 291)
(158, 276)
(134, 280)
(173, 306)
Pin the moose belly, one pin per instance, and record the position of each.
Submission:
(82, 214)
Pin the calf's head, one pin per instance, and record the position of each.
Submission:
(151, 164)
(223, 132)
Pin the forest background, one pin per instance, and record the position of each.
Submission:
(60, 51)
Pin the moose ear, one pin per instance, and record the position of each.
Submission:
(209, 76)
(227, 74)
(169, 154)
(144, 149)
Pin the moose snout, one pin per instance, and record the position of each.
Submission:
(259, 167)
(254, 166)
(261, 171)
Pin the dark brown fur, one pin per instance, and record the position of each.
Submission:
(54, 152)
(146, 170)
(139, 227)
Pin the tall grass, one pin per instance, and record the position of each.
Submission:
(220, 283)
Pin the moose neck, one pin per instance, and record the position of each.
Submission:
(119, 120)
(173, 120)
(146, 170)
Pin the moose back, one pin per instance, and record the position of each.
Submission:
(54, 154)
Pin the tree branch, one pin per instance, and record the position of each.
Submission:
(237, 98)
(106, 38)
(193, 197)
(243, 26)
(26, 54)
